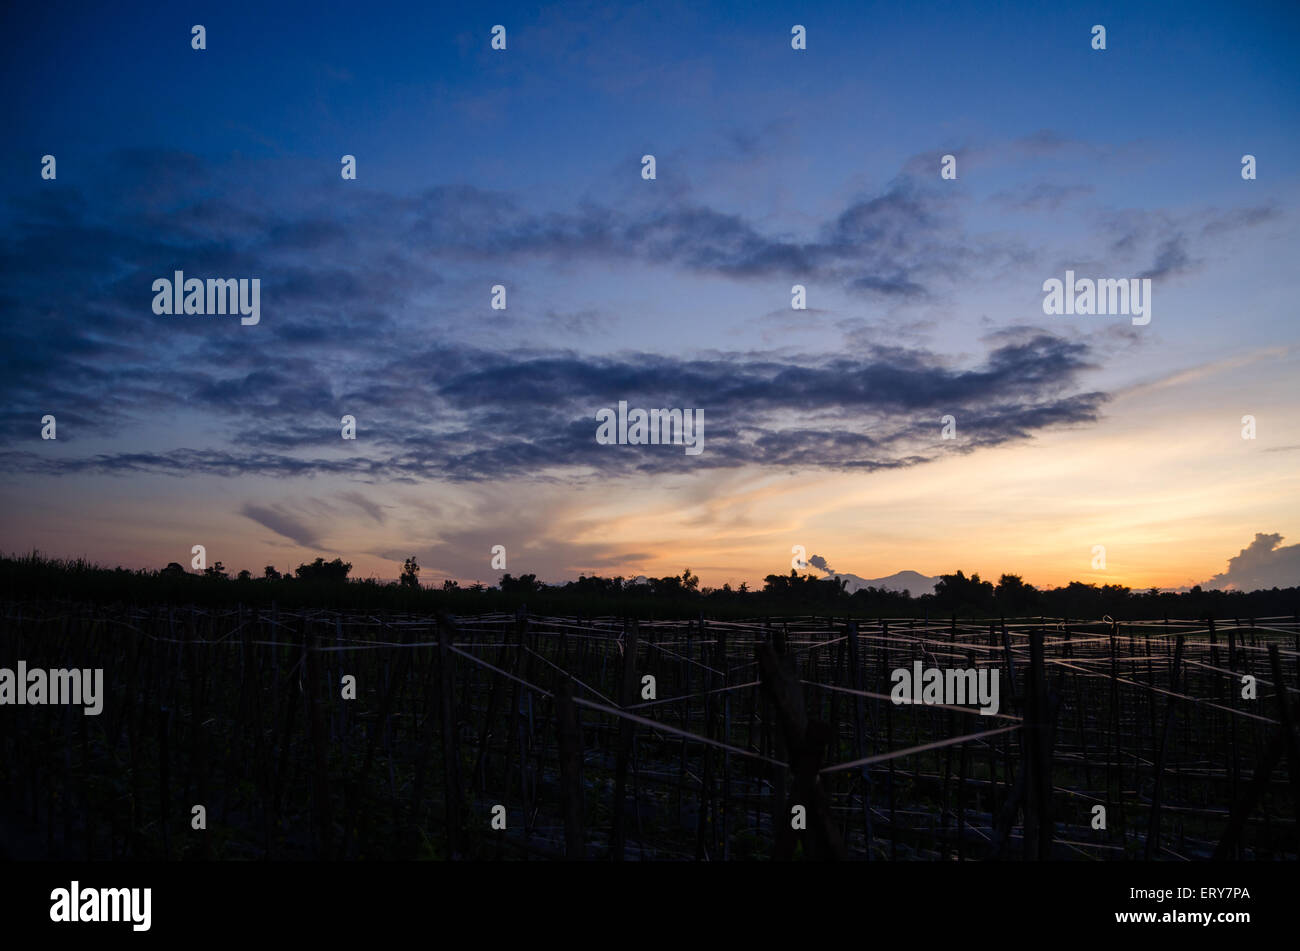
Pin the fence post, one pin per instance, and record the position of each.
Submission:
(1153, 830)
(450, 751)
(856, 681)
(626, 695)
(805, 740)
(570, 736)
(320, 755)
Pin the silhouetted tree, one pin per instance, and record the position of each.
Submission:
(970, 597)
(804, 588)
(1014, 596)
(322, 570)
(410, 574)
(524, 584)
(956, 592)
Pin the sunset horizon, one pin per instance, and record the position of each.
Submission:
(981, 340)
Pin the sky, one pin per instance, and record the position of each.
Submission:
(522, 167)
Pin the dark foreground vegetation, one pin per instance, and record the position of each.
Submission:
(375, 733)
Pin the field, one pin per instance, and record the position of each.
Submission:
(500, 736)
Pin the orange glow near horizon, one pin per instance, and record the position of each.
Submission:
(1165, 482)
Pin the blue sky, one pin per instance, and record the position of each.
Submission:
(774, 167)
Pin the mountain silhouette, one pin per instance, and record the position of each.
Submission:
(912, 581)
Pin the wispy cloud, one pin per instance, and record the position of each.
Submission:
(282, 523)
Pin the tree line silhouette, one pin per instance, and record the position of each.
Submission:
(322, 583)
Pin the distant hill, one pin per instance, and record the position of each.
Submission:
(911, 581)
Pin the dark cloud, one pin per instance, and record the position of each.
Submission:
(1171, 258)
(343, 331)
(1169, 238)
(461, 413)
(1219, 224)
